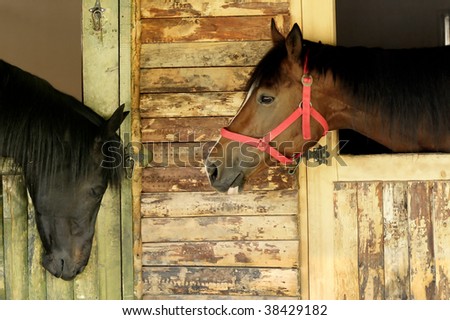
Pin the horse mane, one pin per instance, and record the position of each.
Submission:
(409, 86)
(43, 129)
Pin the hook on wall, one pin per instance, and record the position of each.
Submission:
(97, 12)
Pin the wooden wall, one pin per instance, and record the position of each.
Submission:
(392, 239)
(195, 59)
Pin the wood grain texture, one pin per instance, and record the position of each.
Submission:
(228, 228)
(215, 297)
(423, 282)
(371, 240)
(273, 254)
(182, 129)
(274, 202)
(102, 92)
(396, 241)
(441, 228)
(180, 105)
(200, 8)
(196, 57)
(37, 288)
(220, 281)
(178, 154)
(177, 80)
(15, 232)
(203, 54)
(346, 241)
(254, 28)
(195, 179)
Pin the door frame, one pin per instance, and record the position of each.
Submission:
(107, 83)
(320, 259)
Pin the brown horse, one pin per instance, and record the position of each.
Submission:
(301, 89)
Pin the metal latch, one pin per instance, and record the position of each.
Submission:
(319, 155)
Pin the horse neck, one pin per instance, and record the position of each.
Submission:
(341, 112)
(385, 119)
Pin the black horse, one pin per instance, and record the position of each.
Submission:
(68, 155)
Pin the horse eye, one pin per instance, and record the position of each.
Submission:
(266, 99)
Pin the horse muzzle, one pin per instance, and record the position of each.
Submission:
(222, 180)
(62, 266)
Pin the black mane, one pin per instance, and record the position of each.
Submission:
(407, 85)
(43, 129)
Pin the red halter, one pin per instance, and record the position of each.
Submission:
(304, 109)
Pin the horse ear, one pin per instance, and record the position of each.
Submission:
(111, 125)
(276, 35)
(294, 42)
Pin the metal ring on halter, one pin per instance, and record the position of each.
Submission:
(307, 80)
(300, 105)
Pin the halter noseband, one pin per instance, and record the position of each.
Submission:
(304, 109)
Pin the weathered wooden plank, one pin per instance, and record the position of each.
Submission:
(86, 284)
(220, 281)
(426, 167)
(210, 29)
(126, 51)
(195, 179)
(274, 254)
(207, 104)
(58, 289)
(136, 137)
(203, 54)
(182, 130)
(371, 233)
(396, 243)
(321, 225)
(346, 241)
(422, 275)
(208, 79)
(214, 297)
(441, 223)
(101, 91)
(178, 154)
(200, 8)
(231, 228)
(37, 287)
(2, 246)
(181, 204)
(15, 230)
(108, 241)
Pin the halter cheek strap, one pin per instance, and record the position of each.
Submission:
(304, 110)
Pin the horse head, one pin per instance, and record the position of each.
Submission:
(67, 203)
(263, 129)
